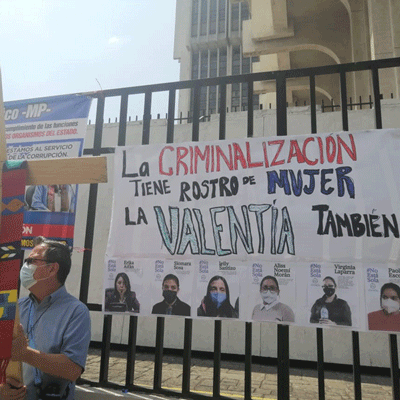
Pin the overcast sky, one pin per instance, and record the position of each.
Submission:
(53, 47)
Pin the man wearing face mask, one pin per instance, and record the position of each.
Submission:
(171, 305)
(54, 334)
(271, 309)
(388, 317)
(329, 309)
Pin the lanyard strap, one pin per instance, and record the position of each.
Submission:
(31, 337)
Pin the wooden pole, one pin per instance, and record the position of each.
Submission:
(14, 369)
(3, 151)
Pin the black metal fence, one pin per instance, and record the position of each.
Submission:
(283, 340)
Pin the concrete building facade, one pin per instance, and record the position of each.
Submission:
(287, 34)
(208, 43)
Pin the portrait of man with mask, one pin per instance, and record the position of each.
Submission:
(388, 317)
(171, 305)
(271, 308)
(329, 309)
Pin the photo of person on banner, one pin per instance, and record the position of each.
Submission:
(121, 298)
(329, 309)
(216, 302)
(388, 317)
(59, 198)
(271, 308)
(171, 305)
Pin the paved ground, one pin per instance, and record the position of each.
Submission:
(303, 383)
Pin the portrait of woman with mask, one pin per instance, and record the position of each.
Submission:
(329, 309)
(121, 298)
(271, 308)
(216, 302)
(388, 317)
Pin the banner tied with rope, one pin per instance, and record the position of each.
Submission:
(12, 213)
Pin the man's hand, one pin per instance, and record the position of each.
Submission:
(19, 345)
(12, 390)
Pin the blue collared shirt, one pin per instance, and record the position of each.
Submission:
(60, 325)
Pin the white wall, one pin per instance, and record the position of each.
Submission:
(374, 346)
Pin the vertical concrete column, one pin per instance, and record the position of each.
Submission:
(395, 5)
(272, 62)
(181, 50)
(382, 42)
(360, 48)
(269, 19)
(229, 72)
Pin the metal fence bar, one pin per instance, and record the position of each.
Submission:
(196, 113)
(248, 362)
(171, 116)
(320, 364)
(222, 112)
(343, 102)
(313, 105)
(131, 355)
(92, 202)
(259, 76)
(356, 366)
(377, 98)
(281, 111)
(105, 350)
(159, 353)
(146, 118)
(217, 358)
(283, 363)
(123, 114)
(394, 366)
(250, 110)
(187, 356)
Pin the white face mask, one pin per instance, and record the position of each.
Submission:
(390, 305)
(26, 275)
(269, 296)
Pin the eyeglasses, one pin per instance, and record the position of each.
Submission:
(271, 288)
(328, 286)
(31, 260)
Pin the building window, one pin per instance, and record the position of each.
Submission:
(203, 18)
(204, 64)
(203, 89)
(212, 95)
(235, 17)
(244, 11)
(195, 65)
(195, 17)
(221, 16)
(213, 17)
(236, 57)
(246, 68)
(222, 62)
(236, 60)
(213, 63)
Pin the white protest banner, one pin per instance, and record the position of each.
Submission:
(322, 199)
(47, 128)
